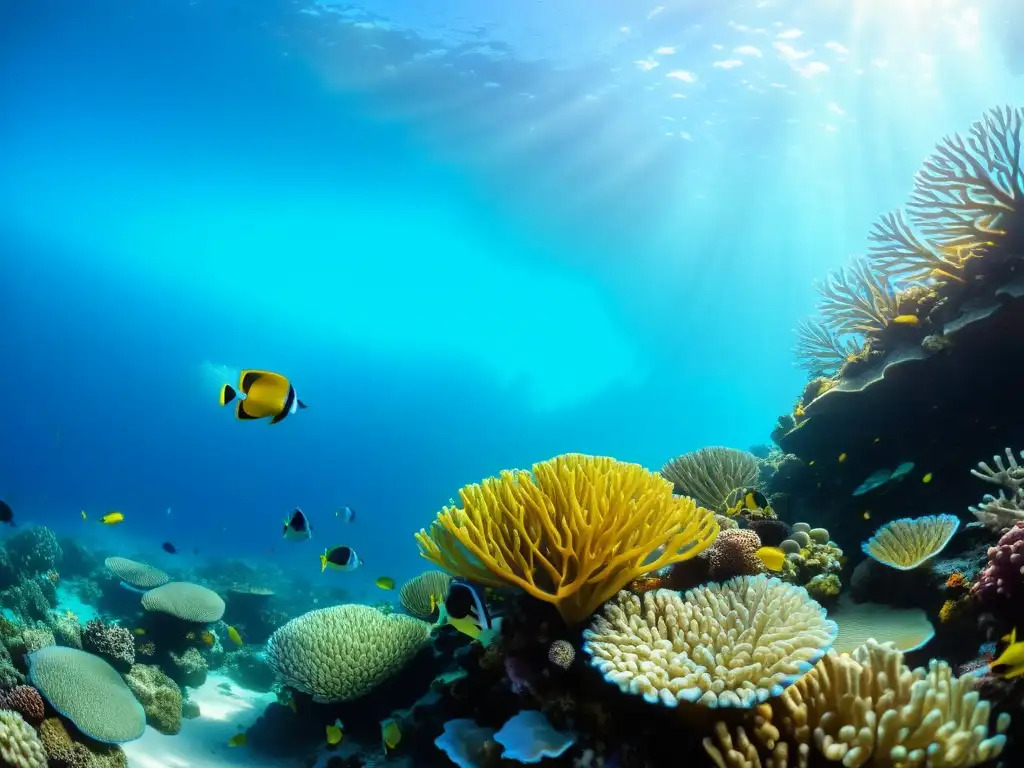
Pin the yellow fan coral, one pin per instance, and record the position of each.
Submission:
(721, 645)
(868, 708)
(709, 475)
(572, 533)
(906, 543)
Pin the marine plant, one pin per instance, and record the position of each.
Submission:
(572, 532)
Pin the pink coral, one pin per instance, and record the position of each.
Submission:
(734, 553)
(26, 701)
(1001, 584)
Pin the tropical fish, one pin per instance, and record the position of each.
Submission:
(339, 559)
(139, 631)
(842, 457)
(297, 527)
(906, 320)
(261, 394)
(347, 514)
(390, 734)
(466, 610)
(877, 478)
(208, 638)
(334, 733)
(773, 558)
(84, 516)
(742, 499)
(902, 470)
(112, 518)
(927, 478)
(867, 514)
(6, 513)
(169, 548)
(235, 637)
(238, 740)
(385, 582)
(1012, 656)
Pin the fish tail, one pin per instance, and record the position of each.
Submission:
(323, 563)
(227, 394)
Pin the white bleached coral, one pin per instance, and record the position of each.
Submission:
(343, 652)
(720, 645)
(867, 708)
(19, 745)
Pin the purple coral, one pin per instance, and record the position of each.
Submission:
(1001, 584)
(113, 643)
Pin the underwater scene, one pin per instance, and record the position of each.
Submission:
(575, 383)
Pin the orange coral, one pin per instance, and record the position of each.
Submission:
(956, 580)
(647, 583)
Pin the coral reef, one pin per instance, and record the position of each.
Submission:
(907, 543)
(528, 530)
(1002, 512)
(113, 643)
(65, 746)
(19, 745)
(33, 550)
(1000, 587)
(709, 475)
(187, 668)
(159, 695)
(421, 594)
(136, 574)
(250, 669)
(185, 601)
(26, 701)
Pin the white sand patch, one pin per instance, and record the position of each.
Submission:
(69, 601)
(203, 742)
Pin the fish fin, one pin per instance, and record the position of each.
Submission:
(772, 557)
(1015, 672)
(227, 394)
(247, 378)
(323, 563)
(302, 405)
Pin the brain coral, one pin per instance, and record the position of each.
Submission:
(906, 543)
(19, 745)
(89, 692)
(186, 601)
(721, 645)
(342, 652)
(136, 574)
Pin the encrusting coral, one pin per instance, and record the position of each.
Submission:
(862, 709)
(159, 695)
(572, 533)
(113, 643)
(719, 645)
(709, 475)
(342, 652)
(907, 543)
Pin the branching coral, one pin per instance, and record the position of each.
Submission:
(572, 533)
(999, 513)
(857, 299)
(969, 188)
(821, 351)
(867, 708)
(899, 254)
(719, 645)
(709, 475)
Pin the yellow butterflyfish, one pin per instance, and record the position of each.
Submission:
(112, 518)
(772, 557)
(390, 734)
(906, 320)
(385, 582)
(334, 733)
(1012, 656)
(235, 637)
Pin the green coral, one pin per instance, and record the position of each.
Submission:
(824, 587)
(159, 695)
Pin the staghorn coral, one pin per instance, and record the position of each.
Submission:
(719, 645)
(343, 652)
(89, 692)
(19, 745)
(899, 254)
(969, 189)
(113, 643)
(1002, 512)
(864, 709)
(26, 701)
(709, 475)
(821, 351)
(1000, 587)
(856, 299)
(907, 543)
(159, 695)
(572, 533)
(421, 595)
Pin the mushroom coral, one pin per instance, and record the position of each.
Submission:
(572, 533)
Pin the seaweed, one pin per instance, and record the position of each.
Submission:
(820, 351)
(969, 187)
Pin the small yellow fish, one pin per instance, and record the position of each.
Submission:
(234, 636)
(1012, 656)
(334, 733)
(810, 463)
(84, 516)
(927, 478)
(238, 740)
(772, 557)
(390, 734)
(799, 412)
(208, 638)
(139, 631)
(385, 582)
(842, 457)
(867, 514)
(112, 518)
(906, 320)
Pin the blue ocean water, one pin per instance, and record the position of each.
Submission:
(473, 235)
